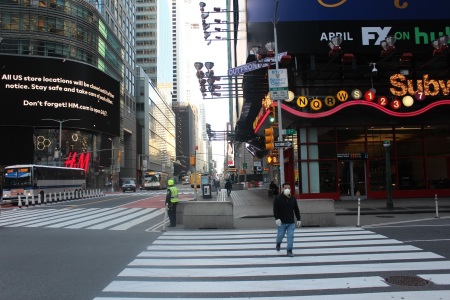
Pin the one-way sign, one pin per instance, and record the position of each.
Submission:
(282, 144)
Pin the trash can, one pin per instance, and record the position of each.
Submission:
(206, 188)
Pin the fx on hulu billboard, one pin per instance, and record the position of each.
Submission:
(34, 88)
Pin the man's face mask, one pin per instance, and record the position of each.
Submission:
(287, 192)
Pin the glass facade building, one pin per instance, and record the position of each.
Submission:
(97, 33)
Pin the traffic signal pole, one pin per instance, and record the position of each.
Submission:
(280, 119)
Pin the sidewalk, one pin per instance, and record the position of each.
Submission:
(253, 209)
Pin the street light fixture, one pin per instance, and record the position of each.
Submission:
(60, 134)
(389, 203)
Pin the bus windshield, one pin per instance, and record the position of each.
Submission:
(17, 177)
(152, 178)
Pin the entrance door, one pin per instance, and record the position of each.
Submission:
(352, 175)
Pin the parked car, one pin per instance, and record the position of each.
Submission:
(129, 185)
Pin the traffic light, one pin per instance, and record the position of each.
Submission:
(268, 138)
(272, 115)
(192, 160)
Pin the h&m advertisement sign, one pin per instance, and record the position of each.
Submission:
(35, 88)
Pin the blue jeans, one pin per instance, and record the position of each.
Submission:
(287, 229)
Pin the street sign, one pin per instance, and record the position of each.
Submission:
(254, 65)
(278, 84)
(289, 131)
(282, 144)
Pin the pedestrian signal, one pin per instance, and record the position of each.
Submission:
(269, 138)
(272, 159)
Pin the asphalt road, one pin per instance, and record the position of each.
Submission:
(69, 263)
(112, 247)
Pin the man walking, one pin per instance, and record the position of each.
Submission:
(284, 208)
(228, 186)
(171, 202)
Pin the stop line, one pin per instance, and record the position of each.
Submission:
(330, 263)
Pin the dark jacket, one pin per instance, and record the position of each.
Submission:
(273, 188)
(284, 209)
(228, 185)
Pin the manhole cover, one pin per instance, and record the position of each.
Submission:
(407, 280)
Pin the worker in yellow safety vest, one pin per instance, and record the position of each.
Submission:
(171, 202)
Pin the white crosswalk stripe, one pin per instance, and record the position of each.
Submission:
(330, 263)
(77, 218)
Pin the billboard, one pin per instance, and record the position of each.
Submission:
(346, 10)
(307, 26)
(36, 88)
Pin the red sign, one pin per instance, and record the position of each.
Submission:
(81, 162)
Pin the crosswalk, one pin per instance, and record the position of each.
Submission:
(330, 263)
(81, 218)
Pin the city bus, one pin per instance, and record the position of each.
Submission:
(33, 180)
(154, 180)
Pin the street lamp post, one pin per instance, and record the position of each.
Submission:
(389, 203)
(60, 134)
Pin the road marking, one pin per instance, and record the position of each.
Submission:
(89, 218)
(263, 252)
(409, 295)
(119, 212)
(264, 240)
(280, 261)
(199, 272)
(140, 220)
(441, 279)
(224, 287)
(206, 246)
(212, 265)
(122, 219)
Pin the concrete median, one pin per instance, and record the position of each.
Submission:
(206, 214)
(317, 212)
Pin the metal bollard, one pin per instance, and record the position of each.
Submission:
(358, 222)
(50, 198)
(26, 200)
(45, 199)
(437, 205)
(32, 200)
(19, 204)
(39, 199)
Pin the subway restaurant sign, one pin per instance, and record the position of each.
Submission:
(404, 92)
